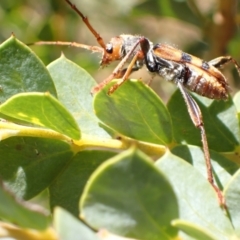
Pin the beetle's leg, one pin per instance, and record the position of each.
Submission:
(196, 117)
(221, 61)
(151, 79)
(127, 73)
(122, 72)
(118, 70)
(143, 53)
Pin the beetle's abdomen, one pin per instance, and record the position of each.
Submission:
(205, 84)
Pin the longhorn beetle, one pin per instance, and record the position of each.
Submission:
(185, 70)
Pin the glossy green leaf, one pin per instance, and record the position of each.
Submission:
(236, 100)
(29, 165)
(22, 71)
(128, 196)
(232, 195)
(69, 228)
(76, 175)
(223, 168)
(220, 121)
(43, 110)
(135, 111)
(193, 230)
(74, 86)
(20, 213)
(197, 199)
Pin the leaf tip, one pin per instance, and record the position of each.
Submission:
(62, 55)
(13, 35)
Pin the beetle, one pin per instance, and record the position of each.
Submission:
(188, 72)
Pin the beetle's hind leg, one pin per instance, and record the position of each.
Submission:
(196, 117)
(220, 62)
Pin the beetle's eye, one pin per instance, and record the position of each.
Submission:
(109, 48)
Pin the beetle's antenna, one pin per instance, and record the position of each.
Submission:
(70, 44)
(85, 20)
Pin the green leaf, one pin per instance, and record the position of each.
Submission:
(43, 110)
(135, 111)
(223, 169)
(22, 71)
(74, 86)
(29, 165)
(193, 230)
(236, 100)
(21, 213)
(232, 195)
(69, 228)
(76, 175)
(220, 121)
(128, 196)
(197, 199)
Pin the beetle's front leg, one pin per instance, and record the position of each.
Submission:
(119, 71)
(125, 74)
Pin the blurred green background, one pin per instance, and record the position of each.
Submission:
(206, 29)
